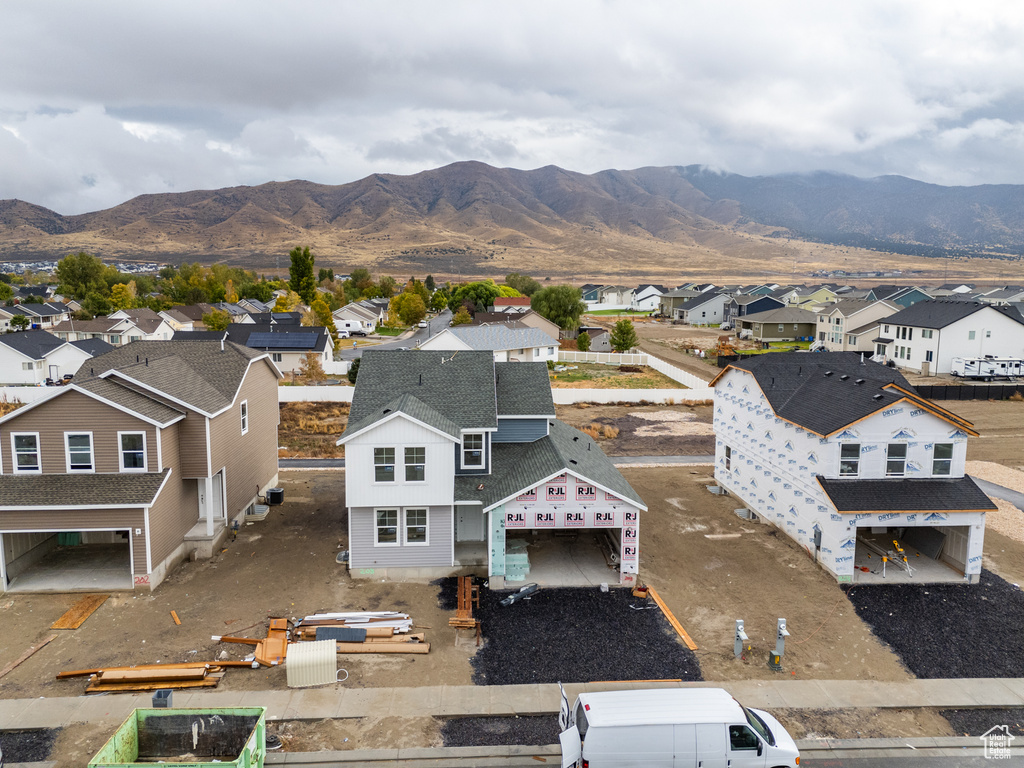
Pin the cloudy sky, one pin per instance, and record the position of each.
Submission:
(103, 101)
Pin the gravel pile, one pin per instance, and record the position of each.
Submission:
(948, 630)
(975, 722)
(28, 746)
(500, 731)
(448, 592)
(577, 635)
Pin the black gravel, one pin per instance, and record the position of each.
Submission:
(535, 731)
(948, 630)
(448, 593)
(575, 635)
(31, 746)
(975, 722)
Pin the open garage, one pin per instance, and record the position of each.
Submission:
(66, 561)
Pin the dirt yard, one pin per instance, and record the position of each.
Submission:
(597, 376)
(644, 430)
(310, 430)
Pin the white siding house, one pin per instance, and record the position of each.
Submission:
(509, 345)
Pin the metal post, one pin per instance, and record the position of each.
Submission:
(741, 638)
(780, 640)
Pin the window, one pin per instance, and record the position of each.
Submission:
(79, 451)
(849, 459)
(942, 459)
(133, 451)
(896, 460)
(728, 457)
(416, 526)
(782, 327)
(245, 416)
(26, 366)
(384, 465)
(971, 335)
(134, 338)
(927, 333)
(929, 356)
(415, 465)
(988, 334)
(879, 349)
(742, 737)
(115, 339)
(26, 452)
(386, 528)
(276, 357)
(887, 329)
(473, 450)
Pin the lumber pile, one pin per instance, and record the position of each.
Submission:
(468, 596)
(150, 677)
(364, 632)
(271, 650)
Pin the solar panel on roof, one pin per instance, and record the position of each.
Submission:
(282, 340)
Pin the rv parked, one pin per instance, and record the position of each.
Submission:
(987, 367)
(671, 727)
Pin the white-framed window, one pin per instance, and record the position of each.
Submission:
(416, 527)
(971, 335)
(132, 451)
(384, 465)
(942, 459)
(927, 333)
(849, 459)
(988, 334)
(78, 447)
(244, 413)
(728, 457)
(782, 327)
(385, 528)
(276, 357)
(26, 366)
(25, 446)
(473, 450)
(896, 460)
(415, 464)
(115, 338)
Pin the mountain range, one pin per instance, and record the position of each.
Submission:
(471, 218)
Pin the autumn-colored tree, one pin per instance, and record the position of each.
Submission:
(122, 296)
(217, 320)
(287, 302)
(324, 317)
(310, 367)
(462, 317)
(230, 295)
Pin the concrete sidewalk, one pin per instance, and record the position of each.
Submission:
(337, 701)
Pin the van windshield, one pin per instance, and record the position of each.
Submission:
(581, 721)
(760, 726)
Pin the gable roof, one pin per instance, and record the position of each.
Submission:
(781, 315)
(523, 389)
(92, 347)
(35, 345)
(938, 313)
(906, 495)
(702, 299)
(410, 406)
(824, 392)
(512, 301)
(498, 337)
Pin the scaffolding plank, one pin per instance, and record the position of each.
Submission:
(672, 619)
(8, 667)
(76, 615)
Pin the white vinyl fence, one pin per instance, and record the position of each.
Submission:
(27, 394)
(302, 394)
(635, 358)
(659, 396)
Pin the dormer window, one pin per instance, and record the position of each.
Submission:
(473, 450)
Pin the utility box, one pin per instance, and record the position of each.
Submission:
(227, 737)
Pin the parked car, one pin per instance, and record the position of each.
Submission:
(355, 332)
(422, 324)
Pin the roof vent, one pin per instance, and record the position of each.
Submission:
(844, 377)
(859, 381)
(576, 439)
(386, 411)
(573, 461)
(828, 373)
(877, 397)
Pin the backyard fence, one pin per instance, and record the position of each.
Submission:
(969, 391)
(685, 378)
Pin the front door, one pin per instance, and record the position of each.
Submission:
(217, 502)
(469, 523)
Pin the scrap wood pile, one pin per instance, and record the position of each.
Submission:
(151, 677)
(467, 596)
(364, 632)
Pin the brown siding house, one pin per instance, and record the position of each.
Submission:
(141, 462)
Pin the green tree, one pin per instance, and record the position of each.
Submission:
(20, 322)
(79, 274)
(386, 286)
(300, 274)
(217, 320)
(462, 317)
(261, 291)
(583, 342)
(96, 305)
(480, 294)
(6, 292)
(439, 300)
(323, 274)
(323, 315)
(353, 371)
(624, 336)
(429, 282)
(561, 304)
(408, 307)
(525, 284)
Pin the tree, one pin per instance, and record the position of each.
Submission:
(429, 282)
(20, 322)
(439, 300)
(310, 368)
(96, 305)
(525, 284)
(217, 320)
(583, 342)
(324, 317)
(287, 302)
(561, 304)
(480, 294)
(122, 296)
(230, 295)
(353, 371)
(408, 307)
(261, 291)
(79, 274)
(386, 286)
(300, 274)
(6, 292)
(624, 336)
(462, 317)
(324, 274)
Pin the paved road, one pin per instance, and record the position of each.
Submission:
(407, 341)
(618, 460)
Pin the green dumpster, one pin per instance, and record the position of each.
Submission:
(226, 737)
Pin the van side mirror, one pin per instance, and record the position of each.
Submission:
(760, 747)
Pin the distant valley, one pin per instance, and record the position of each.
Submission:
(472, 219)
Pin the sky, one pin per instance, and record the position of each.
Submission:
(101, 102)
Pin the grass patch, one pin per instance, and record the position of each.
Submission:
(597, 376)
(390, 331)
(617, 312)
(309, 430)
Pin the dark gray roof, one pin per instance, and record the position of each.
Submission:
(411, 406)
(202, 374)
(501, 337)
(781, 315)
(33, 344)
(266, 337)
(128, 398)
(938, 313)
(825, 391)
(700, 300)
(518, 466)
(906, 495)
(129, 488)
(523, 389)
(459, 385)
(92, 347)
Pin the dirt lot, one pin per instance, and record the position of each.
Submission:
(645, 430)
(597, 376)
(311, 429)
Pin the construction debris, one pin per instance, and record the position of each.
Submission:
(468, 595)
(76, 615)
(8, 667)
(271, 650)
(363, 632)
(150, 677)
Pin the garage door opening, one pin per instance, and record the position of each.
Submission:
(67, 561)
(934, 554)
(561, 558)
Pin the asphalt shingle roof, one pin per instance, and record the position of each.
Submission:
(518, 466)
(523, 389)
(411, 406)
(938, 313)
(494, 337)
(782, 315)
(92, 347)
(128, 488)
(33, 344)
(130, 399)
(458, 384)
(906, 495)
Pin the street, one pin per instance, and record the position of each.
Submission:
(434, 326)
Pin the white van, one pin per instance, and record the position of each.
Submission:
(671, 728)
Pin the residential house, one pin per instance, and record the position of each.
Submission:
(670, 302)
(148, 324)
(116, 331)
(286, 345)
(739, 305)
(846, 325)
(177, 320)
(39, 316)
(146, 458)
(512, 304)
(530, 319)
(600, 338)
(903, 296)
(782, 324)
(952, 289)
(32, 357)
(845, 458)
(519, 345)
(464, 463)
(1005, 296)
(705, 309)
(358, 316)
(647, 297)
(813, 296)
(927, 336)
(589, 292)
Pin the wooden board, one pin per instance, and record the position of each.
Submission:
(76, 615)
(209, 682)
(8, 667)
(383, 647)
(183, 665)
(150, 675)
(672, 619)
